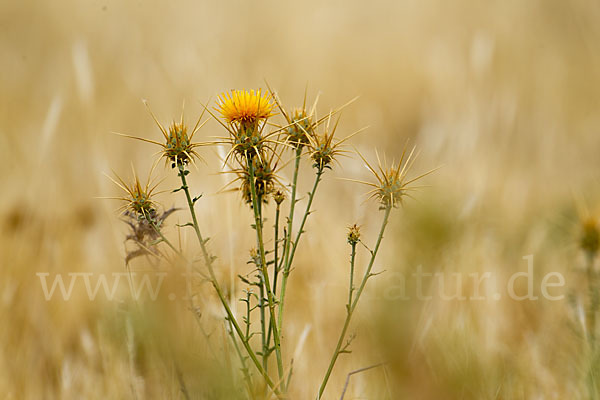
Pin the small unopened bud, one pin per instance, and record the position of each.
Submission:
(353, 234)
(254, 254)
(279, 196)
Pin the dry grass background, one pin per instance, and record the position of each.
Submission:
(503, 94)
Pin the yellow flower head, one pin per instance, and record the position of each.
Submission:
(245, 107)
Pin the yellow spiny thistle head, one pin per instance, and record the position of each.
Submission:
(245, 108)
(245, 113)
(391, 184)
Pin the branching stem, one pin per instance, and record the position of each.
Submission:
(263, 265)
(352, 306)
(209, 265)
(275, 269)
(290, 257)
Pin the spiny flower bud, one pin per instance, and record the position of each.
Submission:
(138, 198)
(279, 196)
(300, 128)
(264, 181)
(353, 234)
(323, 149)
(178, 148)
(392, 184)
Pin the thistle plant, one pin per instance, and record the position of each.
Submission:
(257, 149)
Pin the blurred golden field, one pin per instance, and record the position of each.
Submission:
(502, 95)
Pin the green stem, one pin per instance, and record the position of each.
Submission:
(351, 287)
(290, 257)
(275, 269)
(286, 246)
(275, 251)
(290, 220)
(311, 197)
(245, 371)
(248, 309)
(352, 306)
(242, 359)
(208, 260)
(263, 265)
(261, 303)
(261, 306)
(164, 239)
